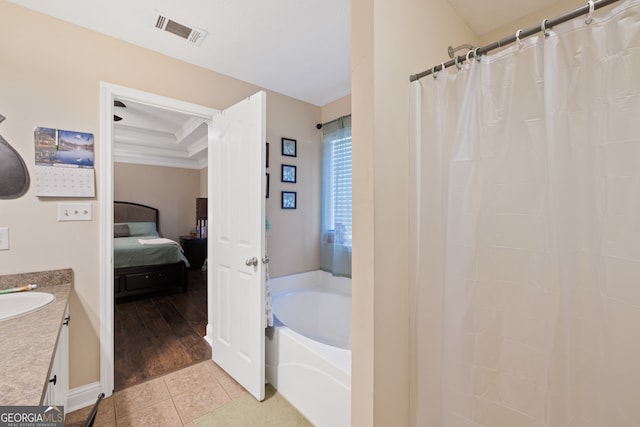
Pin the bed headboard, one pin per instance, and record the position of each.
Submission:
(135, 212)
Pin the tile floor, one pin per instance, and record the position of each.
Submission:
(175, 399)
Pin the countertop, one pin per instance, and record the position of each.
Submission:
(28, 343)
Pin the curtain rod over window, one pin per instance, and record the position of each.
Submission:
(343, 118)
(543, 27)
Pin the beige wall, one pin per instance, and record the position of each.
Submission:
(532, 20)
(204, 182)
(293, 240)
(390, 41)
(336, 109)
(172, 191)
(50, 76)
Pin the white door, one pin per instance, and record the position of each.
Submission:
(236, 242)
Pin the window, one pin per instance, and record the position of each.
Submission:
(336, 196)
(340, 214)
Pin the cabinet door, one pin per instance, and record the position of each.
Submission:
(58, 389)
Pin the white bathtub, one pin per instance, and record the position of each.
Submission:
(308, 358)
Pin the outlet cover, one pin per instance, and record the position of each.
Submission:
(74, 211)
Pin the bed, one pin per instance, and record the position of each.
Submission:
(144, 262)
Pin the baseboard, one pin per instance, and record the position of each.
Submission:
(209, 335)
(83, 396)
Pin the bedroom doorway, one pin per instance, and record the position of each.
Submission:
(116, 103)
(236, 180)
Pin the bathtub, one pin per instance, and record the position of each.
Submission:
(308, 352)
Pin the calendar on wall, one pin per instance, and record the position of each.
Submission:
(64, 163)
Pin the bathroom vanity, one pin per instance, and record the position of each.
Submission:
(34, 368)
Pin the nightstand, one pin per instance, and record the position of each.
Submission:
(195, 250)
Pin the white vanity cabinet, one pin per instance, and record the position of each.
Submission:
(58, 388)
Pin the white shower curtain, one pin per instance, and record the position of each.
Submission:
(527, 225)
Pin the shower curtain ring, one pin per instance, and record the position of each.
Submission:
(475, 54)
(468, 53)
(518, 38)
(543, 27)
(434, 73)
(458, 66)
(591, 8)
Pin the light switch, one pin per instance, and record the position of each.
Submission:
(74, 211)
(4, 238)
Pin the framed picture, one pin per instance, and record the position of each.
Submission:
(289, 147)
(288, 173)
(267, 185)
(288, 200)
(267, 156)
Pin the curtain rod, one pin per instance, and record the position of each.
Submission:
(545, 25)
(319, 125)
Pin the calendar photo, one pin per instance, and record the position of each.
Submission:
(63, 147)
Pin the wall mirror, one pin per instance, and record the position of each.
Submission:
(14, 176)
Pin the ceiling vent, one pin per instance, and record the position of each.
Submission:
(191, 34)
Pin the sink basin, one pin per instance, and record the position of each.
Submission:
(21, 303)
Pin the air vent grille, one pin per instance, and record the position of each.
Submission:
(191, 34)
(160, 22)
(178, 29)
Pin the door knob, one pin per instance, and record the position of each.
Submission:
(252, 262)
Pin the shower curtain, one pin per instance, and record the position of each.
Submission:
(527, 225)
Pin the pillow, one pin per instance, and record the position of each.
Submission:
(142, 229)
(120, 230)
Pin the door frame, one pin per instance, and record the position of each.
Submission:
(108, 93)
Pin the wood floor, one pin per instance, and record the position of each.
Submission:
(160, 334)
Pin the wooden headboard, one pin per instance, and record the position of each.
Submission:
(135, 212)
